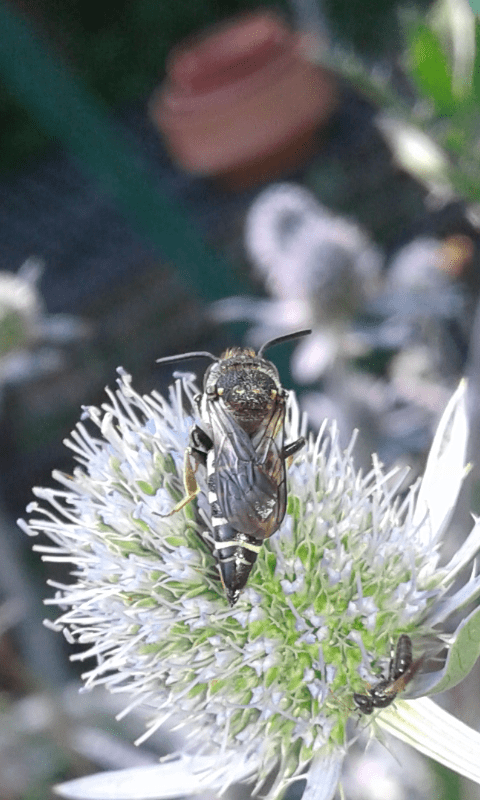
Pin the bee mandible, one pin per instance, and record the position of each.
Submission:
(240, 439)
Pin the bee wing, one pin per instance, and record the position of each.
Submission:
(401, 682)
(269, 439)
(249, 474)
(268, 443)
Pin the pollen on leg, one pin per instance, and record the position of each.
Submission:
(190, 483)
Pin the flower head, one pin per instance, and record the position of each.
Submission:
(319, 269)
(265, 688)
(30, 339)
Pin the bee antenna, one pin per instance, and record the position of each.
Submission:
(185, 356)
(285, 338)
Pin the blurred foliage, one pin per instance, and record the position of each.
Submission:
(430, 69)
(359, 23)
(20, 137)
(432, 84)
(119, 50)
(448, 783)
(443, 60)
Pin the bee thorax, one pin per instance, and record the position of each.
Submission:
(249, 402)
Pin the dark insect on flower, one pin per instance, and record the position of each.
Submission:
(241, 442)
(401, 670)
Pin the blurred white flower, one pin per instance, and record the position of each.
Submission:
(304, 252)
(318, 268)
(264, 689)
(419, 289)
(30, 339)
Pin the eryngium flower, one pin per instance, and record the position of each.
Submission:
(265, 689)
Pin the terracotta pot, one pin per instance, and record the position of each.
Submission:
(242, 102)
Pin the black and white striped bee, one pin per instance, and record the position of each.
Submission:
(401, 670)
(241, 441)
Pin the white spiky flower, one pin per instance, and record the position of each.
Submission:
(30, 339)
(319, 269)
(264, 689)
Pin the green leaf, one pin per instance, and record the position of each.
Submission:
(271, 675)
(431, 70)
(476, 68)
(140, 524)
(257, 628)
(463, 653)
(198, 689)
(174, 541)
(127, 546)
(146, 488)
(270, 562)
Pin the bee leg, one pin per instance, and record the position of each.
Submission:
(293, 447)
(189, 481)
(196, 452)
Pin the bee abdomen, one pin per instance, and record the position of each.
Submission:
(236, 553)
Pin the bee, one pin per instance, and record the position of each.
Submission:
(240, 440)
(401, 670)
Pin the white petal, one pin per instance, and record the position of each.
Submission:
(436, 733)
(465, 553)
(323, 777)
(183, 776)
(230, 309)
(454, 602)
(455, 20)
(445, 469)
(280, 314)
(312, 357)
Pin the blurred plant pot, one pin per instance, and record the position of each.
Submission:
(242, 102)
